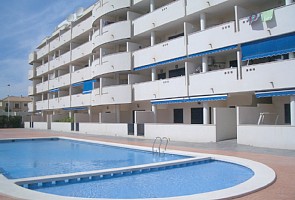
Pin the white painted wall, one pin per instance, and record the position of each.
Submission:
(226, 123)
(142, 117)
(40, 125)
(181, 132)
(61, 126)
(81, 117)
(27, 124)
(108, 118)
(280, 137)
(104, 129)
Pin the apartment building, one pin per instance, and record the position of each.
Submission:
(197, 71)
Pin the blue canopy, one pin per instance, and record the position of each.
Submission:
(275, 93)
(273, 46)
(88, 86)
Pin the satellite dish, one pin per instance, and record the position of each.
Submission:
(79, 12)
(71, 18)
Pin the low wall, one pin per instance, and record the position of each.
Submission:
(27, 124)
(40, 125)
(226, 123)
(181, 132)
(61, 126)
(104, 129)
(280, 137)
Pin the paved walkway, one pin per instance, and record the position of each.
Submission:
(282, 161)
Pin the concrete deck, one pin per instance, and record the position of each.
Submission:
(281, 161)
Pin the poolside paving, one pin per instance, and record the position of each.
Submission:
(281, 161)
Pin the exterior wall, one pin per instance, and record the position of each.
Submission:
(61, 126)
(181, 132)
(104, 129)
(40, 125)
(226, 121)
(280, 137)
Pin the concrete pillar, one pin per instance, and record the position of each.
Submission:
(100, 26)
(239, 61)
(203, 21)
(204, 64)
(100, 55)
(288, 2)
(99, 118)
(100, 86)
(292, 110)
(90, 114)
(117, 108)
(206, 114)
(154, 110)
(153, 40)
(152, 5)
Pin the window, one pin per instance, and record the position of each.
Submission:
(177, 72)
(161, 76)
(287, 114)
(178, 116)
(197, 115)
(16, 105)
(25, 105)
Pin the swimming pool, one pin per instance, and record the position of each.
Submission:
(30, 158)
(179, 176)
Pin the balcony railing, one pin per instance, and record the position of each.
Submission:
(79, 100)
(31, 74)
(60, 61)
(194, 6)
(175, 48)
(42, 87)
(119, 94)
(42, 105)
(31, 90)
(113, 32)
(42, 69)
(81, 75)
(160, 89)
(82, 27)
(43, 51)
(161, 16)
(82, 51)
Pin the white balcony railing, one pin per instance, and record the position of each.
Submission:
(32, 57)
(113, 32)
(42, 69)
(118, 94)
(81, 75)
(66, 37)
(79, 100)
(112, 63)
(194, 6)
(82, 50)
(64, 102)
(42, 87)
(31, 74)
(64, 80)
(160, 89)
(53, 103)
(42, 105)
(30, 90)
(104, 7)
(173, 49)
(60, 61)
(82, 27)
(161, 16)
(54, 44)
(212, 38)
(53, 83)
(31, 107)
(43, 51)
(95, 97)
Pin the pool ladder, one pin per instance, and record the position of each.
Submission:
(154, 150)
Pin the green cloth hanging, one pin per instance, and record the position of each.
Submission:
(267, 15)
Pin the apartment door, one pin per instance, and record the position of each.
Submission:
(178, 116)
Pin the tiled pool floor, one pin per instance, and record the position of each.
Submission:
(282, 161)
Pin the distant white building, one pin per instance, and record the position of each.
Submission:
(197, 71)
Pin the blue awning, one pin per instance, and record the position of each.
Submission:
(76, 108)
(54, 90)
(275, 93)
(77, 84)
(269, 47)
(159, 63)
(190, 99)
(213, 51)
(88, 86)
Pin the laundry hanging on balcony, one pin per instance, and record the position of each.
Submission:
(273, 46)
(88, 86)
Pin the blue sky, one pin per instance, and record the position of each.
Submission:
(24, 24)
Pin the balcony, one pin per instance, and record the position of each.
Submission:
(31, 107)
(79, 100)
(95, 97)
(280, 24)
(82, 27)
(60, 61)
(280, 74)
(81, 75)
(43, 51)
(31, 90)
(32, 57)
(113, 32)
(54, 44)
(119, 94)
(64, 102)
(160, 89)
(113, 63)
(31, 74)
(53, 103)
(42, 69)
(214, 82)
(160, 17)
(66, 37)
(42, 105)
(108, 6)
(53, 83)
(82, 50)
(42, 87)
(194, 6)
(173, 49)
(64, 80)
(212, 38)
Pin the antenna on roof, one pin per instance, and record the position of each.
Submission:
(79, 12)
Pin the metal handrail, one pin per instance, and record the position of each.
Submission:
(167, 141)
(159, 147)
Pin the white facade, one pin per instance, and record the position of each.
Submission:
(198, 71)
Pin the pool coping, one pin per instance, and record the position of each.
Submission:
(263, 176)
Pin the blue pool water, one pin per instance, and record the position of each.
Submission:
(180, 181)
(27, 158)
